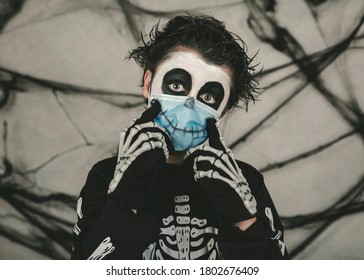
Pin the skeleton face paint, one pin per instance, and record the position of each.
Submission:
(187, 74)
(190, 91)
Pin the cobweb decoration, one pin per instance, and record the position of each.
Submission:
(58, 120)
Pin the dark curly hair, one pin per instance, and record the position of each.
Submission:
(212, 40)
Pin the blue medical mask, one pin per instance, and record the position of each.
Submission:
(184, 119)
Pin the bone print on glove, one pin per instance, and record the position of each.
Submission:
(142, 147)
(216, 170)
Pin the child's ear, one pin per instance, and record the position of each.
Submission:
(147, 83)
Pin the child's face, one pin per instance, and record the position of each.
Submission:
(190, 92)
(185, 73)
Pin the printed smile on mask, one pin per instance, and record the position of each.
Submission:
(197, 129)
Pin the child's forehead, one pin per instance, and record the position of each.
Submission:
(194, 63)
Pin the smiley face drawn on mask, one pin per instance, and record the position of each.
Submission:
(184, 120)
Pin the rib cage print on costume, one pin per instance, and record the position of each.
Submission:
(183, 237)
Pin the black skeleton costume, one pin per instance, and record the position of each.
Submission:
(137, 206)
(176, 222)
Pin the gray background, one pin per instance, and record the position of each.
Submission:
(66, 93)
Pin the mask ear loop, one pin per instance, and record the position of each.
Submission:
(218, 121)
(222, 116)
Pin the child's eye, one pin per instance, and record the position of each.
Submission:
(176, 87)
(208, 98)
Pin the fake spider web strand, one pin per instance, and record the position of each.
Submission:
(9, 8)
(40, 244)
(348, 203)
(41, 18)
(69, 117)
(51, 159)
(132, 8)
(349, 206)
(312, 152)
(15, 80)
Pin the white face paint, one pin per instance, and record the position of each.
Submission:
(187, 74)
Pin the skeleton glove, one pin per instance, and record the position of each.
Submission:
(216, 170)
(142, 147)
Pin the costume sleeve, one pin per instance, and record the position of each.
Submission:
(106, 227)
(263, 239)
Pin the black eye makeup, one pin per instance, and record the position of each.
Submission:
(177, 82)
(211, 94)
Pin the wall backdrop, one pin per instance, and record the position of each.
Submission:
(66, 92)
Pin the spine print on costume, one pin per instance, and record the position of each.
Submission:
(183, 237)
(281, 245)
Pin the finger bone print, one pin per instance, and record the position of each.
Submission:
(183, 237)
(105, 248)
(129, 150)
